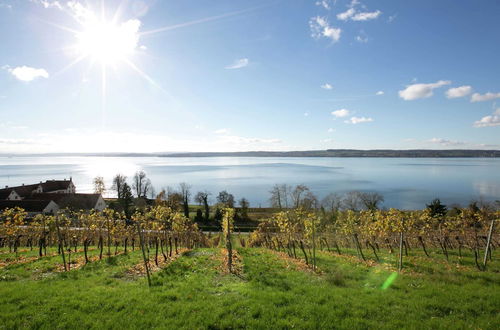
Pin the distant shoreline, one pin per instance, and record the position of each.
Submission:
(338, 153)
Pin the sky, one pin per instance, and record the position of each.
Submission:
(241, 75)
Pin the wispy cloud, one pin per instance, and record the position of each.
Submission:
(446, 142)
(320, 28)
(358, 120)
(366, 16)
(476, 97)
(238, 64)
(355, 15)
(379, 93)
(327, 4)
(341, 113)
(344, 16)
(489, 121)
(26, 73)
(221, 131)
(420, 91)
(457, 92)
(49, 3)
(327, 86)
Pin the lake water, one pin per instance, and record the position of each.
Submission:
(406, 183)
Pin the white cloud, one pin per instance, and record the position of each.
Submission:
(306, 114)
(346, 15)
(476, 97)
(379, 93)
(341, 113)
(420, 91)
(326, 140)
(48, 3)
(331, 130)
(321, 28)
(5, 5)
(238, 64)
(327, 4)
(221, 131)
(392, 18)
(25, 73)
(327, 86)
(456, 92)
(446, 142)
(362, 39)
(357, 120)
(488, 121)
(366, 16)
(94, 140)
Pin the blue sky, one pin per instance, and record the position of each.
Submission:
(205, 75)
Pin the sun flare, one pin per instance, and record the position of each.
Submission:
(108, 42)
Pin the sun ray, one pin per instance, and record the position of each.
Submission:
(143, 74)
(200, 21)
(103, 95)
(70, 65)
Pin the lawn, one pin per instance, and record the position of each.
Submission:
(270, 290)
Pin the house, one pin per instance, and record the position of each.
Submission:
(74, 201)
(49, 197)
(50, 186)
(9, 195)
(31, 206)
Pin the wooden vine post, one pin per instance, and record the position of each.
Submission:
(61, 244)
(313, 220)
(141, 241)
(488, 243)
(227, 226)
(401, 241)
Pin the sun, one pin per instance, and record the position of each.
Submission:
(108, 42)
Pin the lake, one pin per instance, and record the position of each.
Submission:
(407, 183)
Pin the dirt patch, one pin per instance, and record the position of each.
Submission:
(222, 261)
(139, 270)
(22, 260)
(295, 264)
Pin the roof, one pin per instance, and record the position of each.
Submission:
(47, 186)
(4, 194)
(27, 205)
(54, 185)
(72, 201)
(23, 191)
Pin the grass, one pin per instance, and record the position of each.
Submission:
(271, 292)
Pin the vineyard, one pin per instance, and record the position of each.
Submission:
(301, 268)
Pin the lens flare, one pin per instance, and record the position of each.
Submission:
(388, 282)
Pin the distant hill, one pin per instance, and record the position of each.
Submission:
(416, 153)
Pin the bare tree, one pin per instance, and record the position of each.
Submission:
(297, 194)
(186, 195)
(309, 201)
(244, 205)
(202, 198)
(279, 196)
(141, 184)
(371, 200)
(225, 199)
(118, 182)
(332, 202)
(99, 186)
(352, 201)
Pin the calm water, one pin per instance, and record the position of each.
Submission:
(406, 183)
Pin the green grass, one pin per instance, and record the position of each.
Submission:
(191, 293)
